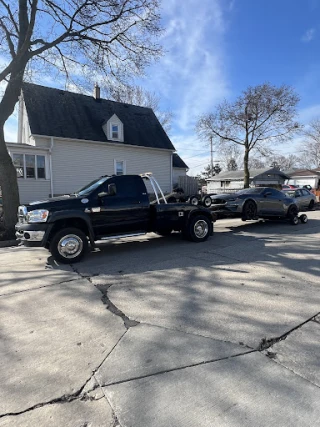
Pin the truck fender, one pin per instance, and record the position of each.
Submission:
(63, 215)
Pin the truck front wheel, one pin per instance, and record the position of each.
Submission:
(198, 229)
(68, 245)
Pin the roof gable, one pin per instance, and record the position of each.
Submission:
(177, 162)
(62, 114)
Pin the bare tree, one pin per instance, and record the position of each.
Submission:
(261, 115)
(136, 95)
(283, 162)
(79, 37)
(310, 149)
(229, 156)
(256, 163)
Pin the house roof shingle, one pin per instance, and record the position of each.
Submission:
(305, 173)
(62, 114)
(239, 174)
(177, 162)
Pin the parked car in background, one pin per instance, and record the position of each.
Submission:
(289, 186)
(254, 203)
(304, 198)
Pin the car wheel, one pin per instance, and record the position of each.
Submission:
(294, 220)
(198, 229)
(194, 200)
(207, 202)
(249, 210)
(304, 219)
(311, 204)
(68, 245)
(292, 211)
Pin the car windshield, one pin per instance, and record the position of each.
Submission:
(255, 190)
(87, 189)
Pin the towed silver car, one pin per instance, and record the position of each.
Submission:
(254, 203)
(303, 198)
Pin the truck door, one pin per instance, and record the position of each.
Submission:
(125, 210)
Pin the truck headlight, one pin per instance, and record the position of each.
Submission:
(40, 215)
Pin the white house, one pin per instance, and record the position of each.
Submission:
(66, 140)
(179, 168)
(234, 180)
(305, 177)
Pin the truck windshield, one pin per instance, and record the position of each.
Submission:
(87, 189)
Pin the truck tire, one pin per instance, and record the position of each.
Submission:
(68, 245)
(198, 229)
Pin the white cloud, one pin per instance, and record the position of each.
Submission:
(191, 77)
(11, 129)
(309, 35)
(309, 113)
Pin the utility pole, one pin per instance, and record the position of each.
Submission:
(211, 150)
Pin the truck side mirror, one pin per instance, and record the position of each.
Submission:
(112, 191)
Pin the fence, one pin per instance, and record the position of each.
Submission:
(189, 184)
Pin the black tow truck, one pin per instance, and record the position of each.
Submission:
(110, 207)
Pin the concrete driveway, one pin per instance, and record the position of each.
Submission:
(154, 331)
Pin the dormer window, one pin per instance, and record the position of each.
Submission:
(113, 129)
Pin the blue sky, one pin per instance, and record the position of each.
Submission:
(214, 49)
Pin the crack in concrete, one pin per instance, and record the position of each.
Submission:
(39, 287)
(269, 342)
(80, 394)
(180, 368)
(128, 323)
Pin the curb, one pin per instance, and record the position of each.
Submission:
(8, 243)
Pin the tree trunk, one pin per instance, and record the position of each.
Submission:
(8, 176)
(9, 187)
(246, 168)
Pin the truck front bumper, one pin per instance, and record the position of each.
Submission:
(35, 234)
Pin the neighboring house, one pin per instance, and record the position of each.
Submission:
(234, 180)
(305, 177)
(179, 168)
(66, 140)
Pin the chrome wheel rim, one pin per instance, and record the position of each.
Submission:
(207, 202)
(201, 228)
(194, 201)
(70, 246)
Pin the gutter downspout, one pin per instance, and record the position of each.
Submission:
(50, 165)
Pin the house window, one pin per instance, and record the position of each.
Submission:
(30, 162)
(29, 165)
(119, 167)
(114, 131)
(41, 167)
(18, 162)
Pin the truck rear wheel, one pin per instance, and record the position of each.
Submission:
(68, 245)
(198, 229)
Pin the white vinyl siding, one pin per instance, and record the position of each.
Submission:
(176, 172)
(31, 190)
(75, 164)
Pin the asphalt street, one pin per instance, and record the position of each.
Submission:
(158, 332)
